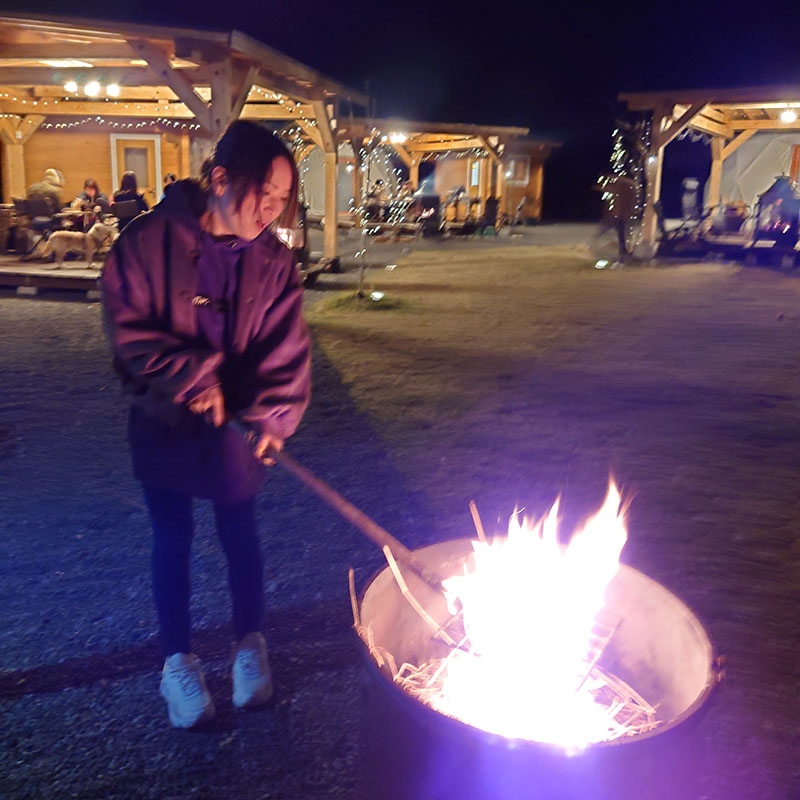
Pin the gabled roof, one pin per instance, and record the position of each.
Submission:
(29, 41)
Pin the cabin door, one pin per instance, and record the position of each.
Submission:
(140, 154)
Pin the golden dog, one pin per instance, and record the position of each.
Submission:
(62, 242)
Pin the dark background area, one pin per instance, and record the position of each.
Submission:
(555, 68)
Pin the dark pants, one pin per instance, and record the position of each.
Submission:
(173, 528)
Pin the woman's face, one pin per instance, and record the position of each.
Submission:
(259, 208)
(91, 190)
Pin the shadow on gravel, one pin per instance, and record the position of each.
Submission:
(293, 658)
(308, 549)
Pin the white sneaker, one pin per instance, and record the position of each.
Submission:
(184, 688)
(252, 678)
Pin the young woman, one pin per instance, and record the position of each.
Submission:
(203, 310)
(129, 190)
(92, 202)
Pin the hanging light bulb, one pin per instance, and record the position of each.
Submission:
(112, 90)
(92, 89)
(71, 86)
(788, 116)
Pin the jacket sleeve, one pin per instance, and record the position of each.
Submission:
(276, 386)
(147, 351)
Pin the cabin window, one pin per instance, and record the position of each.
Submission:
(518, 171)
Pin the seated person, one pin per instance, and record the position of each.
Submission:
(129, 190)
(49, 188)
(92, 198)
(92, 202)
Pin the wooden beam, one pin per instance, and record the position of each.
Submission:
(764, 125)
(25, 77)
(99, 109)
(433, 147)
(28, 126)
(324, 127)
(663, 137)
(714, 114)
(241, 91)
(125, 93)
(303, 151)
(735, 144)
(270, 111)
(8, 130)
(176, 80)
(705, 125)
(221, 105)
(311, 131)
(493, 155)
(643, 101)
(54, 50)
(305, 78)
(404, 155)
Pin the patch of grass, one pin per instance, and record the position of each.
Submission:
(350, 301)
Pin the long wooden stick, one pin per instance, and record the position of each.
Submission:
(369, 527)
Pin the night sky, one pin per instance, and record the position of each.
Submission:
(553, 68)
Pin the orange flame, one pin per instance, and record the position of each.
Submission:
(529, 605)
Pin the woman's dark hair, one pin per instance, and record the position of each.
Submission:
(170, 177)
(91, 183)
(246, 151)
(128, 182)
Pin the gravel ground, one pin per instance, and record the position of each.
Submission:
(683, 380)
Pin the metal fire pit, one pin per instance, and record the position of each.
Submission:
(417, 753)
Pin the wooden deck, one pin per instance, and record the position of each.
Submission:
(31, 278)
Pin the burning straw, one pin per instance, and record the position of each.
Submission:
(526, 636)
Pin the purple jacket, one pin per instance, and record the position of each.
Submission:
(165, 358)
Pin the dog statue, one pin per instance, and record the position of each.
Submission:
(62, 242)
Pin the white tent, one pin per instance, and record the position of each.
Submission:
(753, 167)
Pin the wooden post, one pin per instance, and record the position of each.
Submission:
(13, 171)
(654, 163)
(502, 195)
(184, 156)
(357, 142)
(715, 178)
(14, 133)
(485, 180)
(328, 140)
(535, 184)
(221, 105)
(413, 172)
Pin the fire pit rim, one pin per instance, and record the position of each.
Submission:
(417, 707)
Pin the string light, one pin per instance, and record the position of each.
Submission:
(158, 122)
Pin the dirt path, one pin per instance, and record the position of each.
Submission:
(506, 376)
